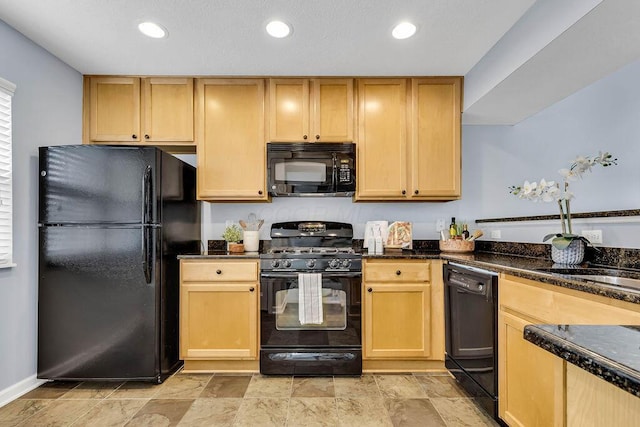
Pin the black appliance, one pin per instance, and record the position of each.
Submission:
(311, 169)
(112, 220)
(289, 346)
(471, 332)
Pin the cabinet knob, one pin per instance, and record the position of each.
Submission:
(416, 192)
(317, 136)
(398, 272)
(134, 136)
(304, 137)
(218, 271)
(370, 290)
(146, 136)
(251, 289)
(404, 192)
(260, 192)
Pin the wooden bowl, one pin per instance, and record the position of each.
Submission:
(459, 246)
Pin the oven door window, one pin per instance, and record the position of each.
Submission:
(332, 304)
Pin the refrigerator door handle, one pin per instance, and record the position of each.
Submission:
(146, 195)
(146, 263)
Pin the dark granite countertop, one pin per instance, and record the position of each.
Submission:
(608, 352)
(220, 254)
(525, 264)
(525, 267)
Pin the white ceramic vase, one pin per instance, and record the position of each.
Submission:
(251, 240)
(572, 254)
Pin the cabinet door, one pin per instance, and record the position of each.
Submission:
(397, 321)
(289, 110)
(435, 138)
(219, 321)
(114, 109)
(332, 110)
(231, 147)
(382, 139)
(168, 110)
(531, 381)
(593, 402)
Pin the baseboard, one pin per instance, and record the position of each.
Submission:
(13, 392)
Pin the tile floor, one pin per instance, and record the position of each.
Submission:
(250, 400)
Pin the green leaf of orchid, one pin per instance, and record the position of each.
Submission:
(561, 242)
(548, 236)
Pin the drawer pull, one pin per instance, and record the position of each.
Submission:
(398, 272)
(370, 290)
(251, 289)
(218, 271)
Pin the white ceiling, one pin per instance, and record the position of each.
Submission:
(339, 37)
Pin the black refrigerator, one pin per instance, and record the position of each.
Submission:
(112, 221)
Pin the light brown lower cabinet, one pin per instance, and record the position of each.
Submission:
(402, 315)
(593, 402)
(534, 385)
(219, 305)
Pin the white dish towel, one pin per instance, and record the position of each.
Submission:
(310, 298)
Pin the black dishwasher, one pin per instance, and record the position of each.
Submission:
(471, 331)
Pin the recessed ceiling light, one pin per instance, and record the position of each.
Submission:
(153, 30)
(403, 30)
(278, 29)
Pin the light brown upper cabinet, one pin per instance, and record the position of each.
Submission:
(313, 110)
(133, 110)
(231, 139)
(435, 138)
(409, 139)
(382, 139)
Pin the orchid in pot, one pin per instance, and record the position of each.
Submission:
(549, 191)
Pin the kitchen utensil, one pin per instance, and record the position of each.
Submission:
(243, 224)
(476, 234)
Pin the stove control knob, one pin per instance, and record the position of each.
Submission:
(311, 263)
(275, 263)
(334, 263)
(286, 263)
(346, 263)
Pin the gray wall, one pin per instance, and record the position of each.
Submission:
(604, 116)
(47, 110)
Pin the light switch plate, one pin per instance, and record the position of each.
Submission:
(496, 234)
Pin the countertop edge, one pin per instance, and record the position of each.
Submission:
(621, 376)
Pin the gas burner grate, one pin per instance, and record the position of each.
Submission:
(311, 250)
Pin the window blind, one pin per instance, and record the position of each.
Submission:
(6, 200)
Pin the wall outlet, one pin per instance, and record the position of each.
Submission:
(496, 234)
(594, 236)
(440, 225)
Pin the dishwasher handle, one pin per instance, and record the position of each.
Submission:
(468, 284)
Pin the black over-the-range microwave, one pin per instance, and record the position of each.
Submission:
(311, 169)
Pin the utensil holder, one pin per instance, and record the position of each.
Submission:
(251, 240)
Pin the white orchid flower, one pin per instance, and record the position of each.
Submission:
(527, 188)
(568, 174)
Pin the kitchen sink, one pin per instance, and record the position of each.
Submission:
(608, 276)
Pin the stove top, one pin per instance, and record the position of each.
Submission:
(321, 250)
(311, 246)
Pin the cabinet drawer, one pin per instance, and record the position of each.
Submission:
(397, 271)
(219, 271)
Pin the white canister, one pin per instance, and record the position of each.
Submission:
(251, 240)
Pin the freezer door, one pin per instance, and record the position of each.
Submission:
(97, 184)
(98, 303)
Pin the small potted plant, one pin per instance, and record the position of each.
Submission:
(233, 235)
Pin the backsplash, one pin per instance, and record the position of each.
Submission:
(614, 257)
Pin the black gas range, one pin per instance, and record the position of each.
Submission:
(310, 268)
